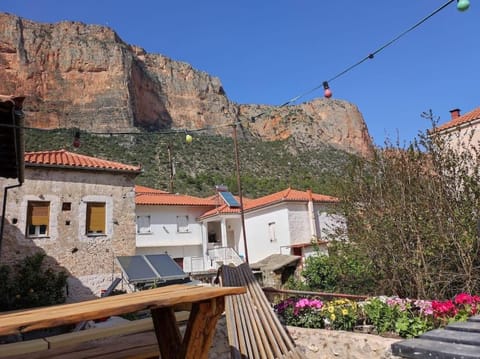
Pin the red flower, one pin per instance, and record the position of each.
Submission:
(464, 298)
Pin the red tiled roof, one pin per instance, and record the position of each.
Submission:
(460, 120)
(290, 195)
(147, 190)
(63, 158)
(150, 196)
(287, 195)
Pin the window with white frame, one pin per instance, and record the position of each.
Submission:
(143, 225)
(271, 231)
(182, 224)
(38, 217)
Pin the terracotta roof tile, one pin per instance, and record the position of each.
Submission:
(460, 120)
(63, 158)
(150, 196)
(287, 195)
(147, 190)
(290, 195)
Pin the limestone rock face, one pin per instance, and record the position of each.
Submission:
(85, 76)
(335, 122)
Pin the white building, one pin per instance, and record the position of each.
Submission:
(462, 131)
(167, 223)
(203, 233)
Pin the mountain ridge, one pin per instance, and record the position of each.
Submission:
(85, 76)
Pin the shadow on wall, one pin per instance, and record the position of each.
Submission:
(16, 247)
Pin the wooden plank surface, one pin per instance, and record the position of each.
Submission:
(27, 320)
(23, 348)
(141, 345)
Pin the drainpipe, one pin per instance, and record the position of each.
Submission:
(19, 157)
(311, 215)
(5, 191)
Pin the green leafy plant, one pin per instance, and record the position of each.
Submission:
(29, 284)
(389, 315)
(341, 314)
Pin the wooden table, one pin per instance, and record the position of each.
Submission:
(207, 306)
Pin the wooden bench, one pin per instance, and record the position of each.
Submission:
(254, 330)
(207, 304)
(104, 340)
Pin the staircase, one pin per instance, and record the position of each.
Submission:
(457, 340)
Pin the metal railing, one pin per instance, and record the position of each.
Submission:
(224, 255)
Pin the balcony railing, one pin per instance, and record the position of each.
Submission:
(224, 255)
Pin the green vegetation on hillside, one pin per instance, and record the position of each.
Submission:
(266, 167)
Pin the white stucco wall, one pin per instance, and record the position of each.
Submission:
(465, 137)
(173, 251)
(163, 223)
(330, 225)
(299, 221)
(258, 236)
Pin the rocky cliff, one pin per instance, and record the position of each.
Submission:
(85, 76)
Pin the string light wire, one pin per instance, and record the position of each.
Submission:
(370, 56)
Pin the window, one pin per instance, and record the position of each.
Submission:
(182, 224)
(143, 224)
(37, 219)
(271, 231)
(95, 218)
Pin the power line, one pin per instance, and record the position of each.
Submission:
(324, 84)
(370, 56)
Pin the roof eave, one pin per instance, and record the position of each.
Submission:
(83, 168)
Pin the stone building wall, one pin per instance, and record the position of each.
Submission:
(88, 259)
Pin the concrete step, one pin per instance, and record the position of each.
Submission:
(475, 318)
(452, 336)
(432, 349)
(470, 326)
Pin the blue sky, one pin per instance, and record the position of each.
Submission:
(268, 52)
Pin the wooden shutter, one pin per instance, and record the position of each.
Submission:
(39, 213)
(96, 218)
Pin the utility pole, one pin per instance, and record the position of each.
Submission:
(172, 166)
(239, 185)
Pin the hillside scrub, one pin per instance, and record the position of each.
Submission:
(266, 166)
(414, 212)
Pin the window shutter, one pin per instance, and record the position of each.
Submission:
(39, 214)
(96, 217)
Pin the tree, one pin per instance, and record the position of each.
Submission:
(414, 211)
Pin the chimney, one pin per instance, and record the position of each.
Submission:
(455, 113)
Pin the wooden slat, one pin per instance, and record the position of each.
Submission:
(253, 328)
(74, 339)
(27, 320)
(23, 348)
(142, 345)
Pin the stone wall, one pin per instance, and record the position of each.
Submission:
(89, 260)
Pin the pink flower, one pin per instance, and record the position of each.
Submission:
(425, 306)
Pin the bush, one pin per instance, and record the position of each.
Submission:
(30, 285)
(343, 270)
(414, 210)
